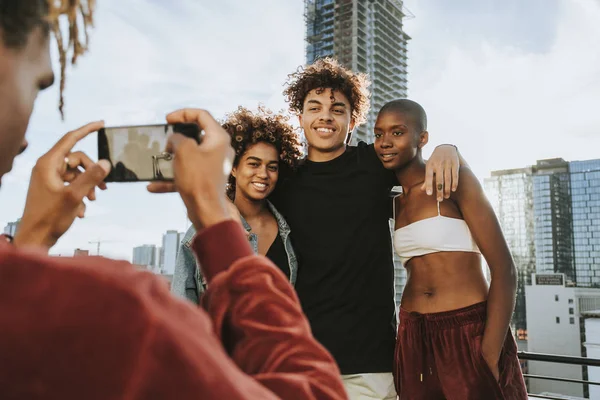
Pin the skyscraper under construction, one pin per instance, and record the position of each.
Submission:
(365, 36)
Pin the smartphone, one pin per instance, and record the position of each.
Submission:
(137, 153)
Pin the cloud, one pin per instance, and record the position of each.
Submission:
(507, 105)
(147, 58)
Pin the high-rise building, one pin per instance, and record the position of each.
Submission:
(511, 194)
(11, 227)
(170, 248)
(585, 196)
(160, 254)
(146, 256)
(365, 36)
(553, 218)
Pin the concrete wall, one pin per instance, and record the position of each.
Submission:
(592, 344)
(547, 336)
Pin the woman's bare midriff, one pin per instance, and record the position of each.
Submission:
(444, 281)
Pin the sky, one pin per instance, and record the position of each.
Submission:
(508, 81)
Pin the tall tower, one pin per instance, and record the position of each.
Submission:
(585, 203)
(365, 36)
(170, 249)
(511, 194)
(553, 218)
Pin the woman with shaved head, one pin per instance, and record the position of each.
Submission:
(453, 339)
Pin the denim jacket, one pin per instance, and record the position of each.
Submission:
(188, 281)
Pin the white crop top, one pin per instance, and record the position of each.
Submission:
(433, 235)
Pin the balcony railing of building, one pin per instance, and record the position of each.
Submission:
(552, 358)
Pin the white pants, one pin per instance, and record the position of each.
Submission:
(370, 386)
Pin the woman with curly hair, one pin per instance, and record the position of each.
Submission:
(264, 144)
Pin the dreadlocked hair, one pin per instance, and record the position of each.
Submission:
(247, 128)
(18, 18)
(72, 9)
(328, 73)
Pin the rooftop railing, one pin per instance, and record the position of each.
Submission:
(553, 358)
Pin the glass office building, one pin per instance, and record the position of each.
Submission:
(585, 203)
(553, 218)
(511, 194)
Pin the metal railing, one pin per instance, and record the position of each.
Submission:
(553, 358)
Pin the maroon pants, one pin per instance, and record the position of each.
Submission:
(438, 356)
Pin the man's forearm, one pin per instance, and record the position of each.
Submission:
(258, 317)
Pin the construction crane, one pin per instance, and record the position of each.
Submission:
(98, 242)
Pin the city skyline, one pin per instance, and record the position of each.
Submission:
(550, 216)
(503, 96)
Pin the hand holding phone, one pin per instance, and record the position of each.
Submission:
(137, 153)
(201, 171)
(60, 181)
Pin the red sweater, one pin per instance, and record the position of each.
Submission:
(92, 328)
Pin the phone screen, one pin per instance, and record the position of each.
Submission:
(137, 154)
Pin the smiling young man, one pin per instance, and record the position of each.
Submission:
(338, 206)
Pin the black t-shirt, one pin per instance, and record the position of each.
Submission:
(339, 213)
(277, 254)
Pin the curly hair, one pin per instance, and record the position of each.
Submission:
(328, 73)
(18, 18)
(248, 128)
